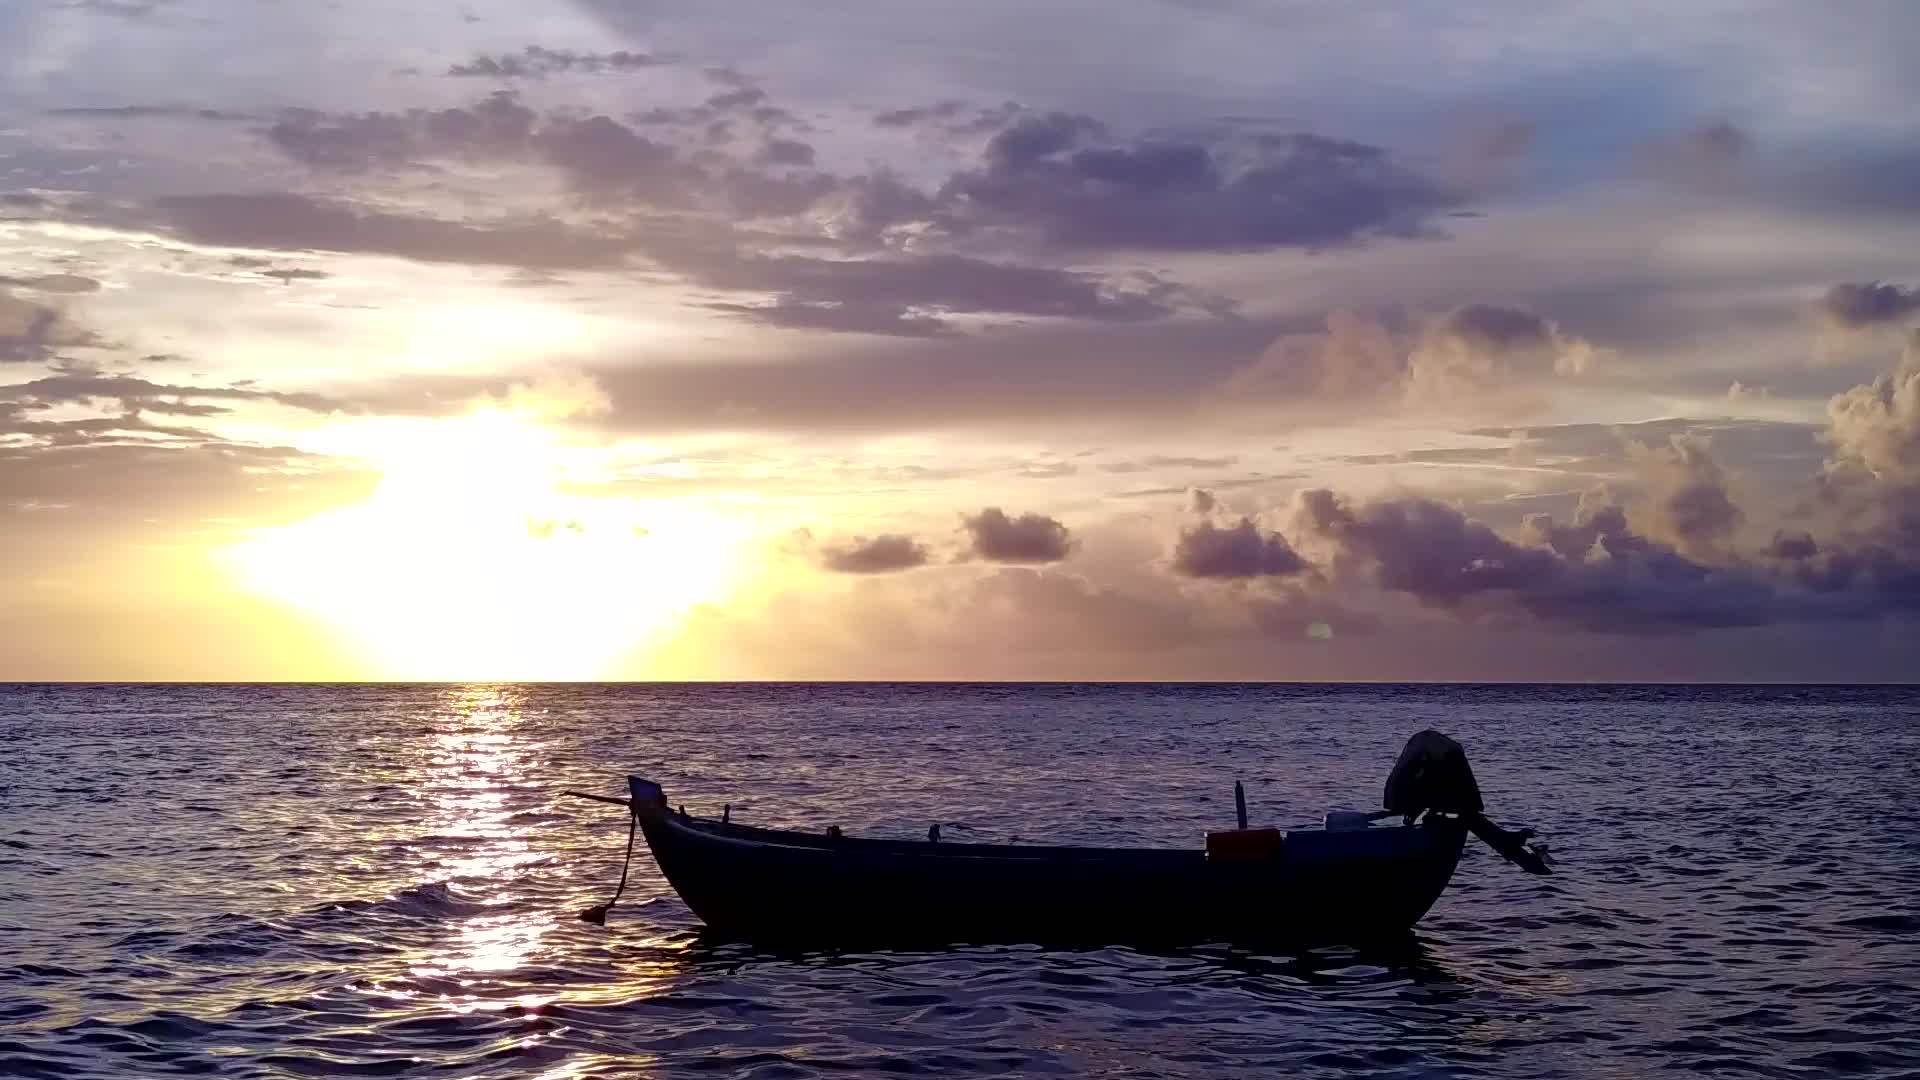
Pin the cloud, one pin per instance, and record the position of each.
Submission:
(1850, 306)
(911, 296)
(1876, 427)
(147, 112)
(785, 152)
(1477, 356)
(1871, 488)
(135, 394)
(837, 316)
(1029, 538)
(287, 276)
(865, 209)
(1702, 156)
(124, 9)
(130, 465)
(1438, 556)
(54, 283)
(1056, 179)
(901, 296)
(1063, 179)
(535, 62)
(1054, 377)
(34, 333)
(1687, 503)
(1241, 550)
(603, 160)
(290, 222)
(184, 480)
(877, 555)
(1165, 461)
(1478, 348)
(949, 119)
(1668, 560)
(897, 294)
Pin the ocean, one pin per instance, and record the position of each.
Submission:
(383, 880)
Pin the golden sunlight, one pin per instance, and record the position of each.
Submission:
(471, 561)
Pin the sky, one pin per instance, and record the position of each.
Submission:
(1139, 339)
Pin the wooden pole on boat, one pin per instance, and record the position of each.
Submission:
(1240, 803)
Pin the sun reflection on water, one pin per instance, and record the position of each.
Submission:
(480, 765)
(485, 912)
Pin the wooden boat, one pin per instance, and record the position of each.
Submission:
(1354, 881)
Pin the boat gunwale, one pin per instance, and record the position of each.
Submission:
(731, 834)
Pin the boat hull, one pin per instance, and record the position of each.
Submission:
(771, 886)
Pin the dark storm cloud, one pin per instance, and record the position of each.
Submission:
(1055, 178)
(1029, 538)
(1443, 559)
(866, 207)
(877, 555)
(1874, 303)
(1481, 347)
(1793, 546)
(1668, 560)
(786, 152)
(288, 222)
(134, 394)
(1240, 550)
(534, 62)
(1492, 327)
(742, 97)
(54, 283)
(754, 194)
(895, 296)
(1063, 179)
(602, 159)
(289, 276)
(130, 466)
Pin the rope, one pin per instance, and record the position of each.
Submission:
(597, 915)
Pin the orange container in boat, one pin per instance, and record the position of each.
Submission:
(1243, 844)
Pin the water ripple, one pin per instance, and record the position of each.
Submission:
(381, 881)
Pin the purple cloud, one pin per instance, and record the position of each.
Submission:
(1029, 538)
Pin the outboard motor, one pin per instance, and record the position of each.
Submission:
(1432, 776)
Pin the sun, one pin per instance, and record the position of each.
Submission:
(472, 561)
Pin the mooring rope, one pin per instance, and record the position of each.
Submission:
(597, 914)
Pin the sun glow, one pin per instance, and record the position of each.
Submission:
(471, 560)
